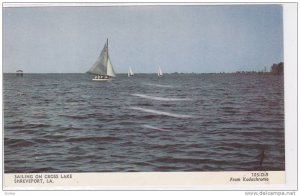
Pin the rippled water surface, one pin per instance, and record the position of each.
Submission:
(180, 122)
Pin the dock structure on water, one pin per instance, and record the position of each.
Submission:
(20, 72)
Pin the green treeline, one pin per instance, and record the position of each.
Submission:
(277, 68)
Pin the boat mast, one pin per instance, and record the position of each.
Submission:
(107, 48)
(106, 55)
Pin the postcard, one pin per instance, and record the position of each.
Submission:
(157, 96)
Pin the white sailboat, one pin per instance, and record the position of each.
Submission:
(130, 72)
(159, 73)
(103, 68)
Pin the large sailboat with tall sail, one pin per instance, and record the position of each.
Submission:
(159, 73)
(130, 72)
(102, 68)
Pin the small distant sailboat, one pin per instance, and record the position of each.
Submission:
(103, 68)
(159, 73)
(20, 72)
(130, 72)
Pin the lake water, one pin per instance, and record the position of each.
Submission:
(180, 122)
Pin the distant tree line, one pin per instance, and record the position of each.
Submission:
(277, 68)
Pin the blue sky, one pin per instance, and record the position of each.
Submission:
(185, 39)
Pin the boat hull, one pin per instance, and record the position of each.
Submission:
(103, 79)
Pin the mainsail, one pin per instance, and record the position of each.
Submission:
(130, 72)
(103, 65)
(159, 73)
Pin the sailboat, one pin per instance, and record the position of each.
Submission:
(130, 72)
(159, 73)
(103, 68)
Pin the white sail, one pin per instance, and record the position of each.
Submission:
(130, 72)
(159, 73)
(110, 69)
(103, 65)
